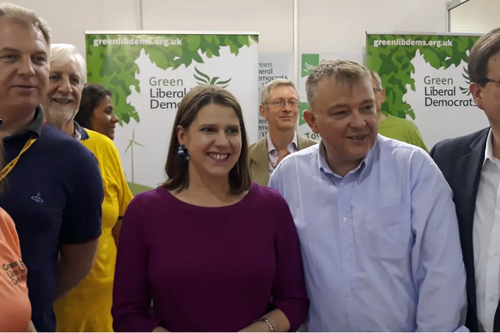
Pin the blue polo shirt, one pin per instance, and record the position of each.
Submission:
(54, 195)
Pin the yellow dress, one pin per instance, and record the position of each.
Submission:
(87, 307)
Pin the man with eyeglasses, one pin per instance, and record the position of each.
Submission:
(471, 165)
(394, 127)
(280, 108)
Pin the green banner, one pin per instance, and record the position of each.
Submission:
(426, 80)
(149, 74)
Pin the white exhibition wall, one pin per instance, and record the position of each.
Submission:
(475, 16)
(324, 25)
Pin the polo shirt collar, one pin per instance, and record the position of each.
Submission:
(81, 133)
(35, 129)
(37, 125)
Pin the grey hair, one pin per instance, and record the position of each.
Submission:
(61, 54)
(266, 91)
(25, 16)
(377, 78)
(343, 71)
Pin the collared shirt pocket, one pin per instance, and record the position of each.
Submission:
(386, 231)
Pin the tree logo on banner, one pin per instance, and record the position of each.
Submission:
(203, 78)
(391, 57)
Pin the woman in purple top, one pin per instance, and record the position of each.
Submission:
(214, 251)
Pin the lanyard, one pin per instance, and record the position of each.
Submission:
(8, 168)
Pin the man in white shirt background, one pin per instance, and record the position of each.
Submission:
(471, 165)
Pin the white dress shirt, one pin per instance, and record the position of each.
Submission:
(390, 263)
(486, 236)
(273, 154)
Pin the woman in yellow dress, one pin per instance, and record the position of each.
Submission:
(87, 307)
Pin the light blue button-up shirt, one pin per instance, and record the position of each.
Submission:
(380, 246)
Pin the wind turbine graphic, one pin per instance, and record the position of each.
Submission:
(131, 146)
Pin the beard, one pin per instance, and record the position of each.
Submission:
(58, 114)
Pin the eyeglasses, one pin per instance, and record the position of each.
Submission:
(486, 80)
(280, 104)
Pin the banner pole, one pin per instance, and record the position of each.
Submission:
(141, 16)
(296, 41)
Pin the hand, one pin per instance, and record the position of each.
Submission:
(160, 329)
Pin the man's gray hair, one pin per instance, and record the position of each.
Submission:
(61, 54)
(377, 78)
(266, 91)
(345, 72)
(25, 16)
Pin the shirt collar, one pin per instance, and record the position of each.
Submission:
(80, 132)
(366, 161)
(488, 152)
(271, 147)
(37, 125)
(35, 129)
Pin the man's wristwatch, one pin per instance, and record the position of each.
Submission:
(268, 322)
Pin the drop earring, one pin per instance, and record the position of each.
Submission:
(183, 152)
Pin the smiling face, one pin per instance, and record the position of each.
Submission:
(213, 141)
(24, 69)
(346, 119)
(64, 91)
(281, 108)
(103, 119)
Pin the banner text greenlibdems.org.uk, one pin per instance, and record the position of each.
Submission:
(137, 41)
(412, 42)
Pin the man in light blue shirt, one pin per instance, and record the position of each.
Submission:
(375, 217)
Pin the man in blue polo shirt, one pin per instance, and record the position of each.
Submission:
(54, 189)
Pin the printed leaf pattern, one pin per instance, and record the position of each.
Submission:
(114, 66)
(392, 64)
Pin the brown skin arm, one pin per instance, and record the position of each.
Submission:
(75, 263)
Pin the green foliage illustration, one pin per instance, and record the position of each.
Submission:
(203, 78)
(393, 63)
(113, 65)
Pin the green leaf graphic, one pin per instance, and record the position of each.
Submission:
(200, 79)
(224, 82)
(193, 42)
(393, 63)
(114, 66)
(205, 76)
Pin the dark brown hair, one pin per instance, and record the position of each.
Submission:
(176, 167)
(92, 96)
(485, 48)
